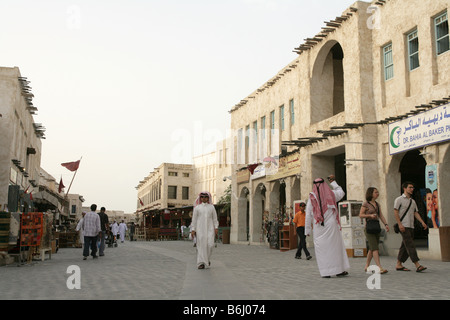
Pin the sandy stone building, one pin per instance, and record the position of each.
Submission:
(340, 108)
(168, 186)
(212, 171)
(20, 141)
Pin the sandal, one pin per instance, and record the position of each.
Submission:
(421, 268)
(202, 266)
(345, 273)
(382, 271)
(402, 269)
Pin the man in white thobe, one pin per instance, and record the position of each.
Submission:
(122, 229)
(205, 227)
(329, 246)
(115, 229)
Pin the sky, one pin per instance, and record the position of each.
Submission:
(128, 85)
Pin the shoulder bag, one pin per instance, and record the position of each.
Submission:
(373, 225)
(396, 227)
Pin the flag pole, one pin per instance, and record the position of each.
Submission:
(72, 179)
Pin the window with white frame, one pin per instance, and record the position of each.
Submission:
(413, 50)
(388, 62)
(442, 36)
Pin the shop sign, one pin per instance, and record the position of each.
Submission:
(287, 166)
(259, 172)
(242, 176)
(424, 129)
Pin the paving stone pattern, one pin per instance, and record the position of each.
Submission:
(166, 270)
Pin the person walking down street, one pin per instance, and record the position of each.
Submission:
(131, 232)
(405, 209)
(79, 228)
(322, 210)
(370, 211)
(122, 229)
(192, 236)
(91, 226)
(104, 226)
(299, 222)
(115, 230)
(205, 227)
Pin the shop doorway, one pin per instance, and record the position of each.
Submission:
(340, 172)
(243, 215)
(329, 162)
(258, 207)
(412, 168)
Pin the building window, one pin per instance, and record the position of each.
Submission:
(442, 37)
(240, 153)
(74, 208)
(247, 143)
(185, 193)
(282, 117)
(388, 62)
(272, 121)
(186, 174)
(263, 128)
(291, 103)
(173, 174)
(172, 192)
(413, 50)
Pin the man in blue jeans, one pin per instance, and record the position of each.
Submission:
(91, 226)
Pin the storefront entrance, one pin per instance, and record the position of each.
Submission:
(412, 168)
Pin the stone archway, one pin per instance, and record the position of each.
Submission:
(243, 215)
(258, 207)
(327, 82)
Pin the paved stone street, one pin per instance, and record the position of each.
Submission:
(166, 270)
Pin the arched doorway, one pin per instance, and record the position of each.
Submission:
(327, 82)
(258, 207)
(278, 199)
(243, 215)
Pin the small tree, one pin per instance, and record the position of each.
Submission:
(225, 199)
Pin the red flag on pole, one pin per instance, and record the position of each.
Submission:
(72, 166)
(61, 186)
(140, 201)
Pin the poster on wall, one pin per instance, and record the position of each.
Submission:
(431, 196)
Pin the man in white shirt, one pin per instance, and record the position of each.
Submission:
(122, 229)
(405, 209)
(91, 227)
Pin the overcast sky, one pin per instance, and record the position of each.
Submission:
(126, 84)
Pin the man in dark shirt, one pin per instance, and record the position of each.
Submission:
(105, 226)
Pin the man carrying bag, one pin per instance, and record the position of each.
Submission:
(405, 226)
